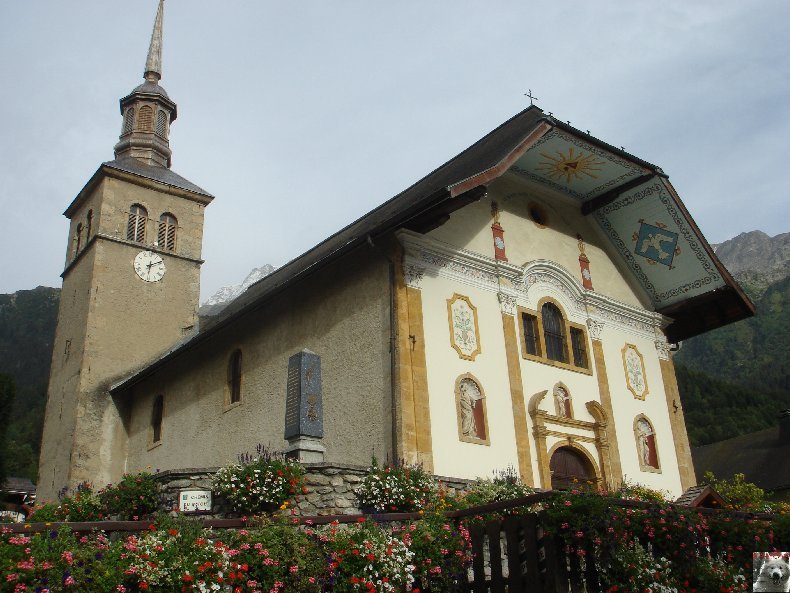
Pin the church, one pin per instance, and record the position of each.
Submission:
(518, 306)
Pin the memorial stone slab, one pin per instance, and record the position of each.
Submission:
(304, 413)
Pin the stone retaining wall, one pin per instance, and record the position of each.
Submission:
(330, 489)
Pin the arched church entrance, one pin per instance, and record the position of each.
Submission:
(567, 467)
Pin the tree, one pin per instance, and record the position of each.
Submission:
(7, 392)
(739, 493)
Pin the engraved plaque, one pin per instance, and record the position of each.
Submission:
(191, 501)
(304, 413)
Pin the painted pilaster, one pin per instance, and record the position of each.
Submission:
(413, 421)
(508, 306)
(676, 419)
(615, 479)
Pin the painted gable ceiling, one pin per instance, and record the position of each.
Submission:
(656, 238)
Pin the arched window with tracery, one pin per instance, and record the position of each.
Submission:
(135, 229)
(646, 444)
(234, 378)
(167, 232)
(157, 413)
(146, 119)
(128, 121)
(554, 332)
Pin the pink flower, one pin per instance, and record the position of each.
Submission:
(69, 581)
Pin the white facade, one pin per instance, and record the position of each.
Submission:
(458, 261)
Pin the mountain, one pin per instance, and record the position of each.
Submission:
(27, 331)
(756, 260)
(734, 380)
(220, 299)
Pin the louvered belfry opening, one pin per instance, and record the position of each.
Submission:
(167, 232)
(135, 229)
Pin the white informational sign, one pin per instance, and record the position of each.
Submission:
(190, 501)
(13, 516)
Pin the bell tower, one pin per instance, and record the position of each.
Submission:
(131, 285)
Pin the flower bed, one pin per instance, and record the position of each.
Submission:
(643, 544)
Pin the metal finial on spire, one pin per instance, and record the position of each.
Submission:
(153, 65)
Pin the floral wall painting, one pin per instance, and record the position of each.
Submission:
(464, 331)
(646, 444)
(634, 366)
(471, 410)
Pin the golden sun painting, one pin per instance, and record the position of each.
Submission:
(569, 166)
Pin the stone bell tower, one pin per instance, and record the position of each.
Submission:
(131, 285)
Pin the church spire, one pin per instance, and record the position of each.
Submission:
(153, 65)
(148, 111)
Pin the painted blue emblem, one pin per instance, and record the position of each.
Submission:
(656, 244)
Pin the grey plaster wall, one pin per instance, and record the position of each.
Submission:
(341, 313)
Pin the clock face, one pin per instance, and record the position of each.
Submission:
(149, 266)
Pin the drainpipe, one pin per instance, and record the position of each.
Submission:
(394, 380)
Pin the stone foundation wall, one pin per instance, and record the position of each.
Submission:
(330, 489)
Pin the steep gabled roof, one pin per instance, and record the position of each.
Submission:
(519, 145)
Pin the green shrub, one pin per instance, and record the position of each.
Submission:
(505, 485)
(135, 496)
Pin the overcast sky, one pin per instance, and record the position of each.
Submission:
(302, 116)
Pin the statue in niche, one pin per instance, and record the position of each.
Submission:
(562, 401)
(472, 421)
(646, 443)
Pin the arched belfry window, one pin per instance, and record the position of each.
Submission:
(161, 124)
(167, 232)
(554, 332)
(234, 378)
(157, 412)
(78, 238)
(128, 120)
(135, 229)
(146, 120)
(646, 444)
